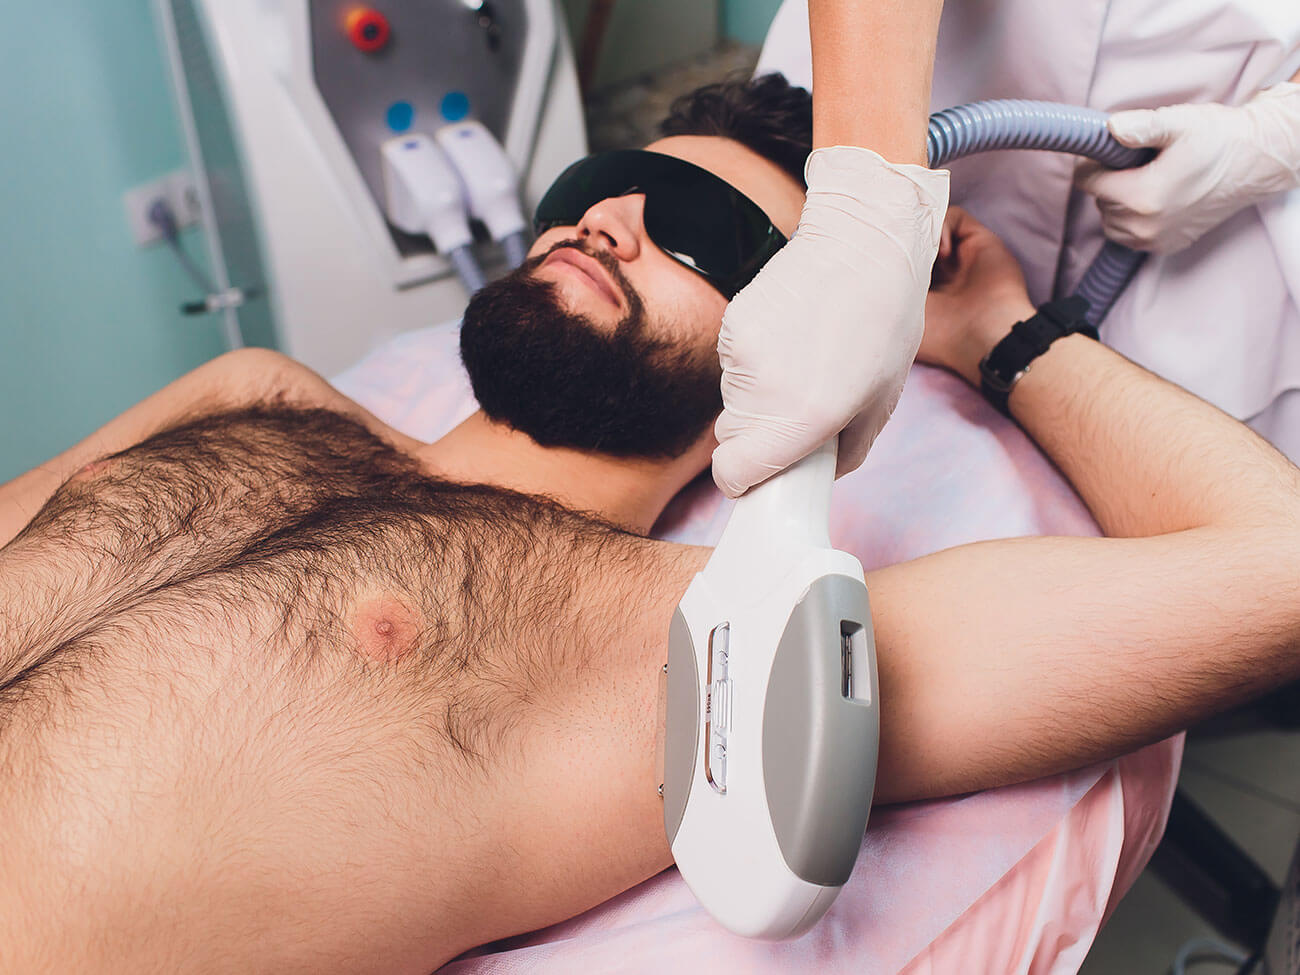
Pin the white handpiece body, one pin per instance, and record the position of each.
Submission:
(772, 723)
(487, 175)
(423, 192)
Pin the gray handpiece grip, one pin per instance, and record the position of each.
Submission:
(821, 731)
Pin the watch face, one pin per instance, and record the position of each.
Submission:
(995, 379)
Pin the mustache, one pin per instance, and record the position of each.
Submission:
(604, 258)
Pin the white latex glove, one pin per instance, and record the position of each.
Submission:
(821, 340)
(1214, 160)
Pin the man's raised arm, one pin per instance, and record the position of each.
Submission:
(231, 381)
(1002, 661)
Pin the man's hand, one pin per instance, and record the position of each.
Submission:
(1214, 160)
(977, 293)
(821, 341)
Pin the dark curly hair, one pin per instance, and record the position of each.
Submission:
(766, 114)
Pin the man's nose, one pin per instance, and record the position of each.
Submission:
(616, 225)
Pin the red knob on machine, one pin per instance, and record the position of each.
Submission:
(368, 29)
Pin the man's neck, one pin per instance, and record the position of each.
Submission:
(630, 492)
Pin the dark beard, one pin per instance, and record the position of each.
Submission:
(559, 378)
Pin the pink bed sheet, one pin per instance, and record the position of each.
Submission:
(1010, 880)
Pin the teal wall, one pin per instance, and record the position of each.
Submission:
(89, 323)
(747, 20)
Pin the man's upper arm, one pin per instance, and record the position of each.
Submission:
(1004, 661)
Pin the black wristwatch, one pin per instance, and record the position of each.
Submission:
(1009, 360)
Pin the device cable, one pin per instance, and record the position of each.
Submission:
(161, 215)
(1011, 123)
(467, 268)
(516, 248)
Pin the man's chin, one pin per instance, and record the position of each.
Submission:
(566, 381)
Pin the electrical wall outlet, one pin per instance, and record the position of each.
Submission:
(178, 189)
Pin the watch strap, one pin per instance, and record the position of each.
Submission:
(1009, 360)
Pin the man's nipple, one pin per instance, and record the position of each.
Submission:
(386, 628)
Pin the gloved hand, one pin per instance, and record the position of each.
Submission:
(1214, 160)
(821, 340)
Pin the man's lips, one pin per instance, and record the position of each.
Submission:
(589, 269)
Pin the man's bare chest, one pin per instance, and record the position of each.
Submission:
(290, 542)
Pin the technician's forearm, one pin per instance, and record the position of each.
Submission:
(873, 63)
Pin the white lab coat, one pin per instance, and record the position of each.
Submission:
(1222, 318)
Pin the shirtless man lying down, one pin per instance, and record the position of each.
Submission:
(282, 689)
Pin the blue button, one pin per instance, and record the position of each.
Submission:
(455, 106)
(400, 116)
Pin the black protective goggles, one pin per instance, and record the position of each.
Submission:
(694, 217)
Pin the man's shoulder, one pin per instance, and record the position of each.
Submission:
(257, 377)
(264, 376)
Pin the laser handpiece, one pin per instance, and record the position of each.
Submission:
(772, 722)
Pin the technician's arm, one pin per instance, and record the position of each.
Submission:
(236, 379)
(1007, 660)
(849, 288)
(880, 101)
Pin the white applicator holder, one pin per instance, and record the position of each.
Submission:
(423, 196)
(490, 183)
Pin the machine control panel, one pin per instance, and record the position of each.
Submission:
(403, 66)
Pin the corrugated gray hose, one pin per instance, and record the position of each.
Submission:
(1016, 124)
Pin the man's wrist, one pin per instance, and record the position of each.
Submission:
(1012, 358)
(987, 331)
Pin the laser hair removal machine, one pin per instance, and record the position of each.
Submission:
(293, 113)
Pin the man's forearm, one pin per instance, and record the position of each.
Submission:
(1146, 456)
(881, 99)
(1050, 653)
